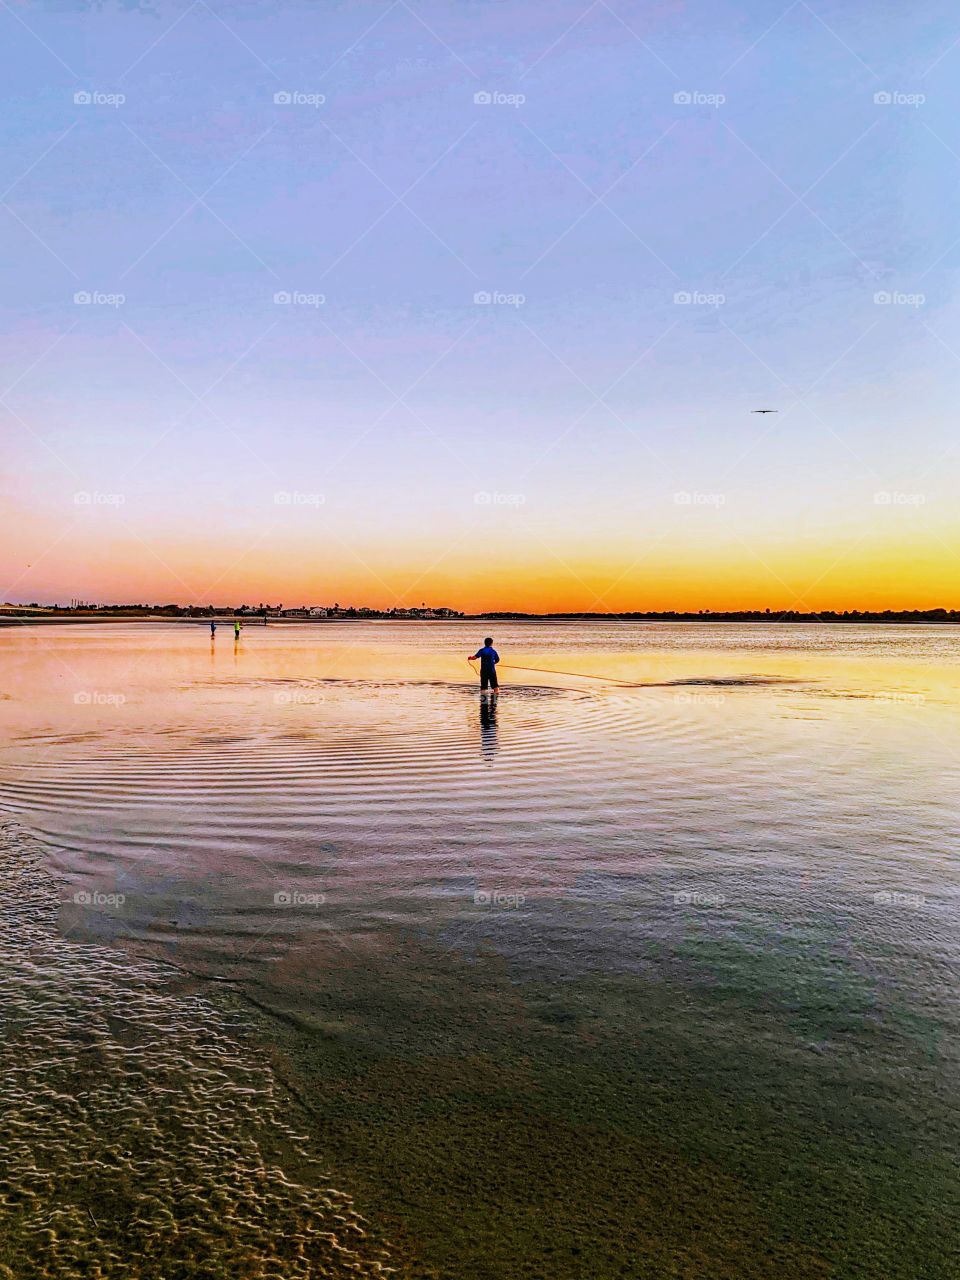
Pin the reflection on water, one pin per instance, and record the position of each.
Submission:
(488, 725)
(734, 847)
(299, 761)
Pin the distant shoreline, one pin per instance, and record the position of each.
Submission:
(905, 617)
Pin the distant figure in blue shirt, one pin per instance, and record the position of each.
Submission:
(488, 665)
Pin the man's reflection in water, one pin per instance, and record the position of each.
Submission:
(488, 726)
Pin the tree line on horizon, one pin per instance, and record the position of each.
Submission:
(425, 611)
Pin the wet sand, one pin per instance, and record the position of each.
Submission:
(142, 1134)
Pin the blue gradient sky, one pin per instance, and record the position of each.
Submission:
(582, 413)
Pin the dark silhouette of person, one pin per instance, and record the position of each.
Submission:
(488, 665)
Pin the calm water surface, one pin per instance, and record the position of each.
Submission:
(651, 973)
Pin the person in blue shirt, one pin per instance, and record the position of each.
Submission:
(488, 665)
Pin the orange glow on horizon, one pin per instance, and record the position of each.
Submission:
(517, 574)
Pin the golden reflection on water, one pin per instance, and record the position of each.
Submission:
(74, 677)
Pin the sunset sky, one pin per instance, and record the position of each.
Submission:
(584, 440)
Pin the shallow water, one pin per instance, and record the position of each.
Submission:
(704, 905)
(140, 1136)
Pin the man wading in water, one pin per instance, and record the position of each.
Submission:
(488, 665)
